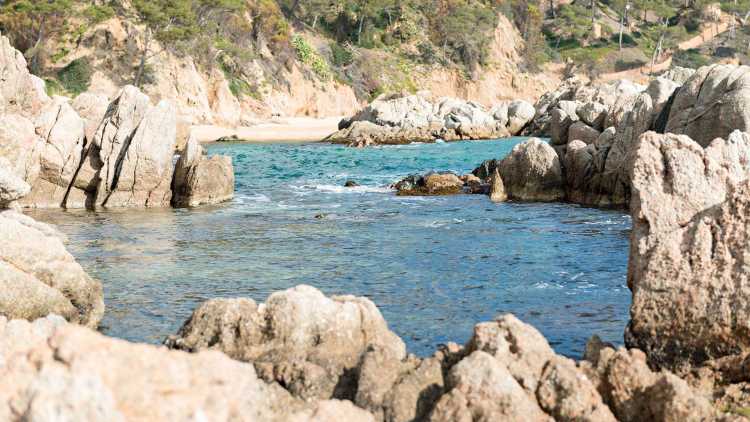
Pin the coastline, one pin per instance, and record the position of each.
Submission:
(287, 129)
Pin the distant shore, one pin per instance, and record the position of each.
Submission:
(287, 129)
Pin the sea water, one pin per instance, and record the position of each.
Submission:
(434, 266)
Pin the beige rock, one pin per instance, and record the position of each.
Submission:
(497, 188)
(92, 108)
(20, 92)
(482, 389)
(687, 256)
(593, 114)
(40, 277)
(20, 145)
(430, 184)
(562, 118)
(199, 180)
(579, 131)
(520, 113)
(299, 337)
(532, 172)
(12, 187)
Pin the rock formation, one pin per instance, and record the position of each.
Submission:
(417, 118)
(199, 180)
(687, 262)
(37, 274)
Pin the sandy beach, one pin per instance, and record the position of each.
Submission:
(286, 129)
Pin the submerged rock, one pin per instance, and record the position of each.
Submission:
(431, 184)
(199, 180)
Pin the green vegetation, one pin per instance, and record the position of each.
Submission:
(76, 76)
(309, 56)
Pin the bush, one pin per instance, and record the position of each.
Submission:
(53, 87)
(97, 14)
(692, 58)
(307, 55)
(342, 55)
(76, 76)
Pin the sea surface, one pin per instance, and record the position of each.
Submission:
(434, 266)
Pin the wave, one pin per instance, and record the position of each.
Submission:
(343, 189)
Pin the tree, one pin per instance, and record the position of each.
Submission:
(32, 23)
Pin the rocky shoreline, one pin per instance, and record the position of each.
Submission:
(302, 356)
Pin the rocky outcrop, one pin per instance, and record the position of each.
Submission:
(309, 343)
(37, 274)
(20, 92)
(200, 180)
(687, 268)
(712, 103)
(418, 118)
(64, 372)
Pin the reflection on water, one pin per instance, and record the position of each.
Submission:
(434, 266)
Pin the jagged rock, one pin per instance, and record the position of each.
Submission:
(481, 388)
(579, 131)
(566, 91)
(532, 172)
(687, 268)
(562, 118)
(593, 114)
(64, 372)
(91, 108)
(20, 91)
(661, 90)
(20, 145)
(714, 102)
(678, 74)
(430, 184)
(309, 343)
(396, 390)
(12, 187)
(579, 169)
(568, 395)
(199, 180)
(497, 188)
(520, 113)
(38, 276)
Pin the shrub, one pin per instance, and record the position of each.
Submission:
(97, 14)
(53, 87)
(76, 76)
(307, 55)
(692, 58)
(342, 55)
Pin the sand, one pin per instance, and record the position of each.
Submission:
(287, 129)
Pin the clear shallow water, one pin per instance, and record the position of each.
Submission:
(434, 266)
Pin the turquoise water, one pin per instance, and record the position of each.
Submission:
(434, 266)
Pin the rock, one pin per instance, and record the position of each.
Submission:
(562, 118)
(474, 185)
(20, 91)
(661, 91)
(520, 113)
(485, 170)
(497, 188)
(39, 277)
(678, 74)
(481, 388)
(532, 172)
(351, 184)
(309, 343)
(593, 114)
(579, 131)
(92, 108)
(714, 102)
(500, 113)
(20, 145)
(12, 187)
(568, 395)
(580, 172)
(687, 268)
(430, 184)
(199, 180)
(548, 102)
(65, 372)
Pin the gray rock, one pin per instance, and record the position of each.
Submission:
(199, 180)
(579, 131)
(520, 113)
(593, 114)
(12, 187)
(532, 172)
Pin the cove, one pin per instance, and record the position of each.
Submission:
(434, 266)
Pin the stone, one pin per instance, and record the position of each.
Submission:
(20, 91)
(580, 172)
(497, 188)
(593, 114)
(351, 184)
(199, 180)
(688, 249)
(579, 131)
(92, 108)
(12, 187)
(661, 91)
(481, 388)
(432, 183)
(713, 103)
(532, 172)
(562, 118)
(20, 145)
(39, 277)
(520, 113)
(678, 74)
(65, 372)
(309, 343)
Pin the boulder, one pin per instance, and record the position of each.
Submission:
(20, 145)
(39, 277)
(714, 102)
(65, 372)
(432, 183)
(687, 268)
(91, 108)
(579, 131)
(309, 343)
(199, 180)
(520, 113)
(678, 74)
(20, 91)
(593, 114)
(566, 91)
(661, 91)
(532, 172)
(12, 187)
(562, 118)
(497, 188)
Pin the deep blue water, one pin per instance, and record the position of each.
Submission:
(434, 266)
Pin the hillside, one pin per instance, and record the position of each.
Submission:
(235, 62)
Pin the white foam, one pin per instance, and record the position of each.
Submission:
(353, 189)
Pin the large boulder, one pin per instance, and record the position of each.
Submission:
(92, 108)
(39, 277)
(64, 372)
(308, 342)
(20, 91)
(199, 180)
(714, 102)
(687, 266)
(532, 172)
(520, 113)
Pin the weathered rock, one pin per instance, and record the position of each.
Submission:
(38, 276)
(562, 118)
(532, 172)
(64, 372)
(309, 343)
(520, 113)
(20, 91)
(661, 90)
(678, 74)
(432, 183)
(20, 145)
(714, 102)
(12, 187)
(687, 262)
(480, 388)
(497, 188)
(566, 91)
(593, 114)
(92, 108)
(199, 180)
(579, 131)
